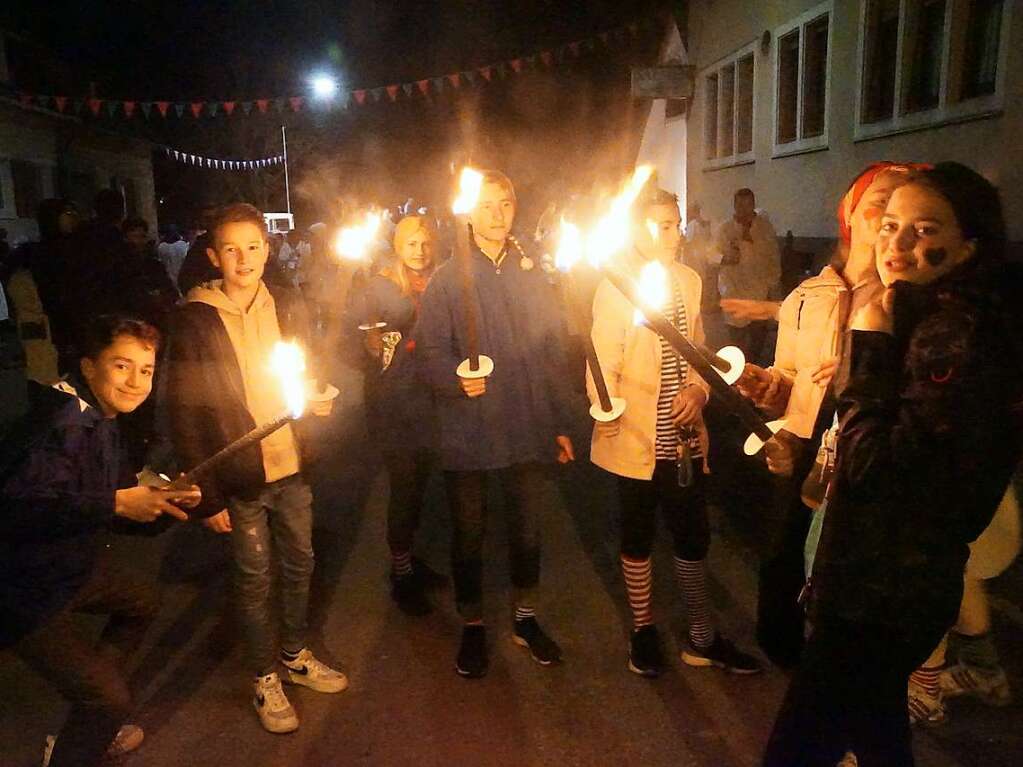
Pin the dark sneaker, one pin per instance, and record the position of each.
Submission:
(407, 592)
(722, 654)
(544, 650)
(429, 578)
(645, 656)
(472, 655)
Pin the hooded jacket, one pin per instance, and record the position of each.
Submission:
(930, 436)
(210, 402)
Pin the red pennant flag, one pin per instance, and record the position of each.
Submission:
(392, 91)
(94, 105)
(574, 47)
(61, 102)
(197, 108)
(516, 64)
(162, 107)
(129, 109)
(360, 96)
(229, 107)
(546, 57)
(296, 103)
(455, 79)
(262, 104)
(424, 86)
(487, 73)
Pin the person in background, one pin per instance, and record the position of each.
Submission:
(750, 268)
(172, 251)
(698, 255)
(64, 482)
(930, 435)
(511, 425)
(399, 405)
(656, 449)
(196, 268)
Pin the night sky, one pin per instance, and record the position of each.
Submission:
(570, 127)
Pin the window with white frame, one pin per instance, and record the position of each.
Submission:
(728, 107)
(801, 69)
(930, 62)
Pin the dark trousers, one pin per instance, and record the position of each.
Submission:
(684, 510)
(784, 526)
(849, 694)
(408, 473)
(523, 488)
(91, 676)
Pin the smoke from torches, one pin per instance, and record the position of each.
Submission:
(353, 242)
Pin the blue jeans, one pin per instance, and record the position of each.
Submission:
(280, 520)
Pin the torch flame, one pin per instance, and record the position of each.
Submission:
(288, 363)
(570, 246)
(653, 289)
(352, 242)
(611, 233)
(469, 185)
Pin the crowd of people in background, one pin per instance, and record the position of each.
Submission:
(898, 370)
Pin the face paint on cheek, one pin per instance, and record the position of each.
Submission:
(935, 256)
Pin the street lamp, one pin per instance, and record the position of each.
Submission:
(324, 87)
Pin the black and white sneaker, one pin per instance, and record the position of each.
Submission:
(472, 660)
(645, 656)
(544, 650)
(722, 654)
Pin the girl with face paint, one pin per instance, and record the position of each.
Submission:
(811, 329)
(929, 439)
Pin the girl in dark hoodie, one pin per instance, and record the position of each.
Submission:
(930, 435)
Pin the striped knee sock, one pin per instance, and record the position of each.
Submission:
(401, 563)
(693, 585)
(522, 612)
(639, 582)
(926, 677)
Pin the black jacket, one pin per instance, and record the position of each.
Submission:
(930, 436)
(206, 398)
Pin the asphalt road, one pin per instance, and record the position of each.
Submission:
(406, 705)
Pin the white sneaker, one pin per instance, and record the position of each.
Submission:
(307, 671)
(275, 712)
(128, 738)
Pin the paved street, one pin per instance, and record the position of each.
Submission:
(405, 704)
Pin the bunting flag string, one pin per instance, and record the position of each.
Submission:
(219, 163)
(198, 108)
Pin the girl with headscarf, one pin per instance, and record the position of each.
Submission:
(398, 405)
(930, 433)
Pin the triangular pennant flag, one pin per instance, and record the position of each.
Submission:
(161, 107)
(279, 105)
(574, 47)
(129, 108)
(179, 109)
(603, 37)
(546, 57)
(424, 86)
(531, 61)
(147, 107)
(590, 44)
(454, 79)
(43, 101)
(61, 102)
(94, 105)
(377, 93)
(212, 108)
(229, 107)
(25, 99)
(196, 107)
(262, 104)
(78, 105)
(470, 77)
(296, 103)
(344, 98)
(247, 107)
(112, 108)
(392, 92)
(438, 84)
(177, 154)
(487, 73)
(407, 87)
(360, 96)
(516, 64)
(502, 69)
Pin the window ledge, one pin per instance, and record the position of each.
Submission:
(932, 118)
(724, 163)
(797, 148)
